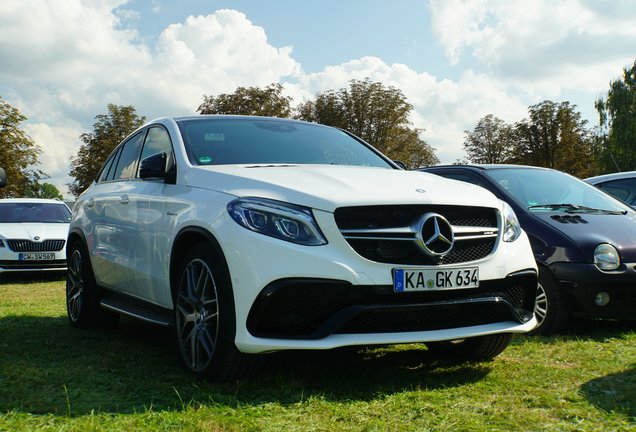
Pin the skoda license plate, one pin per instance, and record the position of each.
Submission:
(410, 280)
(37, 256)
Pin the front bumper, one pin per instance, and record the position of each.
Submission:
(316, 308)
(581, 282)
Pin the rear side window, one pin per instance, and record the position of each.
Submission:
(623, 189)
(127, 164)
(108, 168)
(462, 177)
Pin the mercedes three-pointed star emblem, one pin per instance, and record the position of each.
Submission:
(435, 236)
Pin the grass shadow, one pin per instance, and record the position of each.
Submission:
(49, 367)
(614, 393)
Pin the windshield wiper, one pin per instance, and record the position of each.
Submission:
(575, 208)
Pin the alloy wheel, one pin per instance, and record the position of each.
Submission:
(197, 315)
(541, 305)
(74, 286)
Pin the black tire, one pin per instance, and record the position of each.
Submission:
(550, 306)
(481, 348)
(83, 293)
(205, 320)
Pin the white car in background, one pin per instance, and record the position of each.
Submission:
(251, 235)
(33, 234)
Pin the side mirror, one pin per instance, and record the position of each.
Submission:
(3, 178)
(400, 164)
(154, 167)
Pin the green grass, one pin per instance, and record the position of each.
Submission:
(53, 377)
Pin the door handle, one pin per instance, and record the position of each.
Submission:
(123, 199)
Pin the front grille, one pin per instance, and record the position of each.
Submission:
(30, 246)
(313, 309)
(388, 234)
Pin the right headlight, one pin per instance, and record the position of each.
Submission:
(277, 219)
(606, 257)
(511, 227)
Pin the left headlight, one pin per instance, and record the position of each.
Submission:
(277, 219)
(511, 227)
(606, 257)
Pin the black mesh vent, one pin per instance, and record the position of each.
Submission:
(408, 253)
(29, 246)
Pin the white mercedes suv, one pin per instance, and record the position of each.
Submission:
(251, 235)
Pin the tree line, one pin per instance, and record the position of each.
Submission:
(553, 134)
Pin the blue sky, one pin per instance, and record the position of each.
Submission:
(456, 61)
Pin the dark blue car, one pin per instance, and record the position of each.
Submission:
(584, 240)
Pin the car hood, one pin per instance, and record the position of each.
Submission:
(30, 230)
(327, 187)
(588, 230)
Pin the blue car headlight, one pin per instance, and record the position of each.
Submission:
(277, 219)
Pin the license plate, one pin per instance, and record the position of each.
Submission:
(410, 280)
(37, 256)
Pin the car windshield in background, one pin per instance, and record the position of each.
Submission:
(34, 212)
(253, 141)
(545, 190)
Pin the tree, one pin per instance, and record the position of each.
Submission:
(377, 114)
(617, 115)
(44, 190)
(491, 142)
(18, 153)
(249, 101)
(108, 131)
(554, 136)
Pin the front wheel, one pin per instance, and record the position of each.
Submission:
(481, 348)
(205, 323)
(82, 292)
(550, 308)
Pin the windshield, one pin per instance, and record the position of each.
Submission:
(34, 212)
(548, 190)
(219, 141)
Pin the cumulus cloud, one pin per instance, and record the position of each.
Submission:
(68, 60)
(443, 108)
(542, 46)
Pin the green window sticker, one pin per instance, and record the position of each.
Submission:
(205, 159)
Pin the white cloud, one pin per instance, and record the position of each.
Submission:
(443, 108)
(542, 46)
(67, 60)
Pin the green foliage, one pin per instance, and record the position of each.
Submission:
(377, 114)
(554, 136)
(249, 101)
(44, 190)
(617, 114)
(18, 153)
(108, 131)
(491, 142)
(56, 378)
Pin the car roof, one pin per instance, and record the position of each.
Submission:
(613, 176)
(30, 200)
(488, 166)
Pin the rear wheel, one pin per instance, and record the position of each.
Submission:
(205, 323)
(481, 348)
(82, 292)
(550, 308)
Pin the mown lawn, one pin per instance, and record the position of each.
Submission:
(53, 377)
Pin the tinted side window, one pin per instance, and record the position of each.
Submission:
(127, 165)
(103, 175)
(157, 141)
(623, 189)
